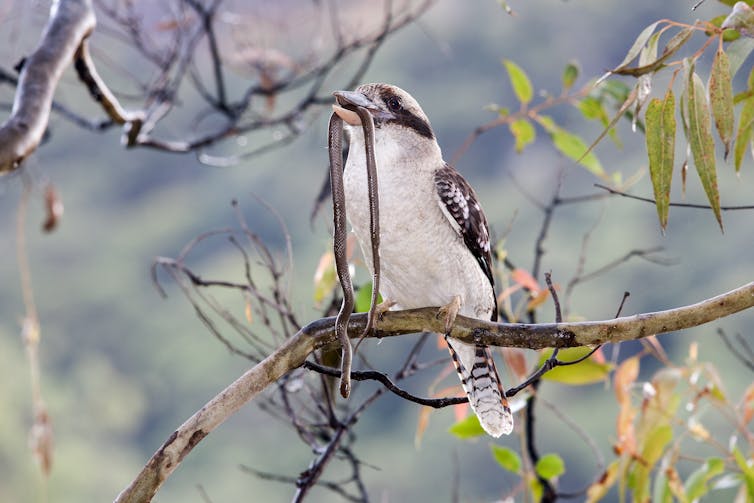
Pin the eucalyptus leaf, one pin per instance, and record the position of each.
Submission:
(660, 138)
(701, 141)
(721, 98)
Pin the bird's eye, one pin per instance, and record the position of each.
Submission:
(394, 104)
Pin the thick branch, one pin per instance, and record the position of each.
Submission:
(97, 88)
(71, 21)
(321, 333)
(548, 335)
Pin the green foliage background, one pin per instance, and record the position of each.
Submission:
(123, 367)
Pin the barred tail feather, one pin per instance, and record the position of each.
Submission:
(480, 380)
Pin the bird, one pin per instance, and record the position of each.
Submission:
(434, 237)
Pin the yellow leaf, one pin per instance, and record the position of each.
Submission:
(624, 377)
(523, 132)
(585, 372)
(325, 277)
(599, 489)
(698, 431)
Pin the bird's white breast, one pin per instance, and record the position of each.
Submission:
(424, 261)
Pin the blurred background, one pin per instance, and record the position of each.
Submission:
(122, 367)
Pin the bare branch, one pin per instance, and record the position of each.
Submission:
(680, 205)
(70, 22)
(321, 333)
(744, 355)
(133, 121)
(373, 375)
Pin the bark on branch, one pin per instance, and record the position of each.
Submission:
(70, 22)
(321, 333)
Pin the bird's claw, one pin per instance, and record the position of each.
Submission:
(449, 311)
(383, 307)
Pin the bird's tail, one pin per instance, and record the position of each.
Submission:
(480, 380)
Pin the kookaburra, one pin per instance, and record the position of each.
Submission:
(434, 240)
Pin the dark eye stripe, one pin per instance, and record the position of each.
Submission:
(411, 121)
(407, 119)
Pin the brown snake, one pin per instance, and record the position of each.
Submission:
(334, 144)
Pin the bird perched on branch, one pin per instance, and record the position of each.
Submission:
(434, 240)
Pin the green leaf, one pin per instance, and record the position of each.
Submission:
(644, 82)
(660, 137)
(738, 51)
(523, 132)
(550, 466)
(741, 19)
(618, 90)
(649, 53)
(507, 458)
(654, 445)
(697, 484)
(467, 428)
(587, 372)
(744, 134)
(648, 60)
(721, 98)
(536, 488)
(519, 81)
(729, 35)
(677, 41)
(746, 470)
(571, 145)
(593, 108)
(701, 141)
(638, 45)
(363, 299)
(621, 93)
(570, 74)
(661, 489)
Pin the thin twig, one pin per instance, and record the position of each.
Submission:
(371, 375)
(748, 362)
(680, 205)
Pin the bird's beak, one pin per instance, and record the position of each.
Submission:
(347, 101)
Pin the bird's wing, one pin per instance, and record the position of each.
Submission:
(459, 204)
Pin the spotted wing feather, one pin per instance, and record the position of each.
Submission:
(473, 362)
(460, 204)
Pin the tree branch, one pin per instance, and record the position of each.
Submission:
(321, 333)
(70, 22)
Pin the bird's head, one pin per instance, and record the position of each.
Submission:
(394, 110)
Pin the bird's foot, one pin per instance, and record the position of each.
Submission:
(450, 311)
(383, 307)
